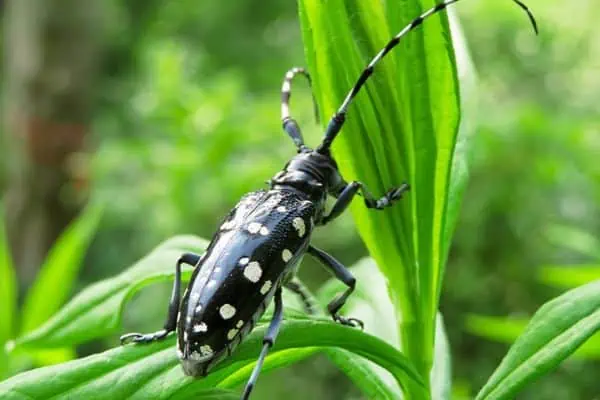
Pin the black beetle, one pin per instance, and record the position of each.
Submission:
(259, 244)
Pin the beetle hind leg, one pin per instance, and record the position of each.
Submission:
(302, 292)
(171, 322)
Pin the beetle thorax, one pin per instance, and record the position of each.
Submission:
(312, 173)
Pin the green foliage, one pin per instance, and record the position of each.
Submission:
(8, 296)
(371, 303)
(415, 142)
(508, 330)
(142, 370)
(96, 311)
(555, 331)
(59, 271)
(139, 370)
(191, 123)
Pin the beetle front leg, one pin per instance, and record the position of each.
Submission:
(171, 322)
(349, 191)
(341, 273)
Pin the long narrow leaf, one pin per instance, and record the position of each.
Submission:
(508, 330)
(402, 127)
(568, 276)
(130, 371)
(96, 311)
(8, 294)
(554, 333)
(57, 276)
(371, 304)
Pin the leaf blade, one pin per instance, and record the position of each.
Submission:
(8, 294)
(556, 331)
(96, 311)
(60, 270)
(126, 371)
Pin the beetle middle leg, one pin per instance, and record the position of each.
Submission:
(344, 198)
(171, 322)
(343, 274)
(268, 342)
(298, 288)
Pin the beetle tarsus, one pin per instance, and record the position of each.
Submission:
(349, 321)
(144, 338)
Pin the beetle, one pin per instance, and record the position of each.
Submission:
(259, 245)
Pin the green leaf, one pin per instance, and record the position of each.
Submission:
(8, 294)
(152, 371)
(96, 311)
(57, 276)
(574, 239)
(508, 330)
(371, 304)
(441, 372)
(402, 127)
(555, 332)
(568, 276)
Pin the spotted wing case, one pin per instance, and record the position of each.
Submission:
(257, 247)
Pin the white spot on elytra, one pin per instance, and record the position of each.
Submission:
(253, 271)
(201, 327)
(281, 209)
(265, 287)
(228, 225)
(188, 319)
(206, 350)
(239, 324)
(231, 334)
(227, 311)
(299, 225)
(198, 309)
(264, 231)
(254, 227)
(286, 255)
(244, 260)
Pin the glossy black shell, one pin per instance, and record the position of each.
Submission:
(257, 248)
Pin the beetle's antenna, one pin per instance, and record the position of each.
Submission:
(289, 124)
(336, 122)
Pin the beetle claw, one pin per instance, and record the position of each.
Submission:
(131, 338)
(352, 322)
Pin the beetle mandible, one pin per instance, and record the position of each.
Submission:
(260, 243)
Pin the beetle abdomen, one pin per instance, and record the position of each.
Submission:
(257, 245)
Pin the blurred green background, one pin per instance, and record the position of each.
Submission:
(167, 112)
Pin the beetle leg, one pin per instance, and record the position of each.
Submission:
(171, 322)
(298, 288)
(341, 273)
(268, 342)
(349, 191)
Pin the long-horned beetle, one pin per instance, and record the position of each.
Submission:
(256, 252)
